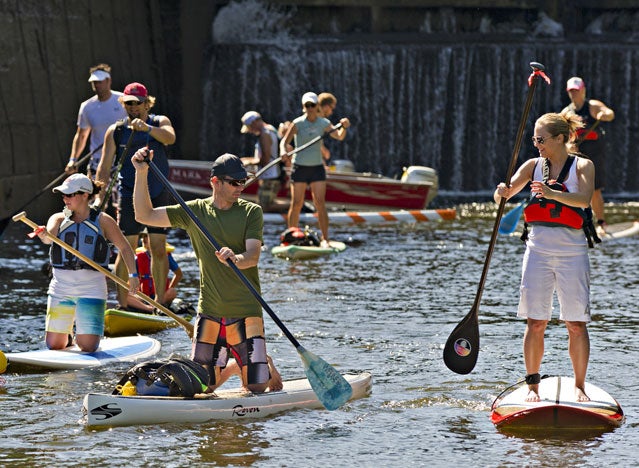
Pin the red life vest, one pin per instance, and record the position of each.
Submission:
(546, 212)
(143, 261)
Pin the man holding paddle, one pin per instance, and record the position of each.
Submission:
(229, 321)
(590, 139)
(266, 151)
(140, 129)
(95, 116)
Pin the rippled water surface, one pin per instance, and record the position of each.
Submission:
(386, 305)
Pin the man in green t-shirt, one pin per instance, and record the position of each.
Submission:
(229, 321)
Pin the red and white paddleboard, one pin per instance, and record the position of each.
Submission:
(558, 408)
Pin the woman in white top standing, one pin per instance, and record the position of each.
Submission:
(77, 292)
(556, 257)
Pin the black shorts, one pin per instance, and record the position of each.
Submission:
(308, 174)
(594, 150)
(126, 215)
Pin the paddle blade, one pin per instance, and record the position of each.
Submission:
(462, 347)
(510, 220)
(330, 386)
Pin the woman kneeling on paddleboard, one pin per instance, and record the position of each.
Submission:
(556, 257)
(77, 292)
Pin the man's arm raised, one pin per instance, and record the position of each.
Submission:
(144, 211)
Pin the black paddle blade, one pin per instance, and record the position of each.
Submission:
(462, 347)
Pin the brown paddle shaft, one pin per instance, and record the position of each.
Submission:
(462, 347)
(187, 326)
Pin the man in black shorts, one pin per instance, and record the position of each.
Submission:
(140, 129)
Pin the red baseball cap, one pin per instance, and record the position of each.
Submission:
(575, 83)
(135, 92)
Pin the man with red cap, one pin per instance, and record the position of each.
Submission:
(590, 140)
(138, 130)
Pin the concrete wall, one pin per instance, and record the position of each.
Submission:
(46, 49)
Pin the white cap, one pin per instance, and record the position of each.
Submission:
(99, 75)
(575, 83)
(309, 97)
(75, 183)
(248, 119)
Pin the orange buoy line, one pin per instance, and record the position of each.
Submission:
(372, 217)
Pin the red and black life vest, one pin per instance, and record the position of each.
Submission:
(545, 212)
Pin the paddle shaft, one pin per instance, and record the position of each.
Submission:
(156, 171)
(511, 168)
(289, 153)
(462, 347)
(581, 139)
(114, 175)
(187, 326)
(55, 182)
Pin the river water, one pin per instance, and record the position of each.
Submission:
(386, 305)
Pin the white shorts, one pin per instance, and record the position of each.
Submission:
(543, 274)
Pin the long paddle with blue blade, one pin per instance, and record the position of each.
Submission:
(331, 388)
(462, 347)
(510, 220)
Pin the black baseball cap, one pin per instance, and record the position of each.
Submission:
(229, 165)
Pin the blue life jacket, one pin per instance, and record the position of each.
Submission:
(87, 238)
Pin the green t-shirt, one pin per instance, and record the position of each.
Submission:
(222, 292)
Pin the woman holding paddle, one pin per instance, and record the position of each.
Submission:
(556, 257)
(77, 292)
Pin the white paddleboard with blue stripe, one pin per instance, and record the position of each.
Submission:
(124, 349)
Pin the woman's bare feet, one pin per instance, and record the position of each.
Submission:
(580, 394)
(533, 395)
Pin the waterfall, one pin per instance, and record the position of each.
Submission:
(453, 106)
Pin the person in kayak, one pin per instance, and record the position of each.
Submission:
(229, 322)
(556, 257)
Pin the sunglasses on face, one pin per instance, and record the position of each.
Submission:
(235, 182)
(540, 140)
(133, 103)
(309, 105)
(71, 195)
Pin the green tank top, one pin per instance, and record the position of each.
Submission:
(306, 131)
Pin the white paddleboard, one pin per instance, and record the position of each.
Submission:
(621, 230)
(124, 349)
(558, 408)
(117, 410)
(304, 252)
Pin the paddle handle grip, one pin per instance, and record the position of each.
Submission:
(187, 326)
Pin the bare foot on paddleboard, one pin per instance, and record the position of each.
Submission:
(580, 395)
(275, 384)
(532, 396)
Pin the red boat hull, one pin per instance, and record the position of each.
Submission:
(344, 190)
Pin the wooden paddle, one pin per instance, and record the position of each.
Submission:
(288, 153)
(462, 347)
(330, 386)
(5, 221)
(187, 326)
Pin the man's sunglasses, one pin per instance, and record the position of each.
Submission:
(234, 182)
(133, 103)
